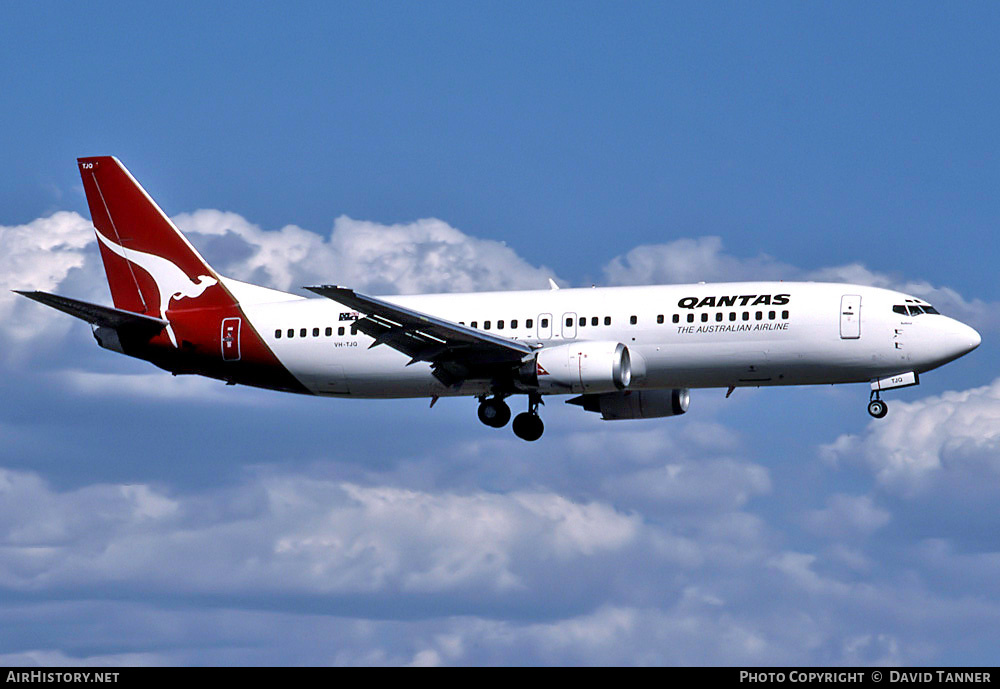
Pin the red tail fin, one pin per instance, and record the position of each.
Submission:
(151, 266)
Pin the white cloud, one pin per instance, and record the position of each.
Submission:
(155, 386)
(846, 516)
(636, 543)
(690, 260)
(302, 536)
(57, 658)
(42, 255)
(58, 253)
(525, 576)
(694, 484)
(704, 259)
(418, 257)
(922, 445)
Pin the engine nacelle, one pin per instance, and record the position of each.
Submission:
(589, 367)
(636, 404)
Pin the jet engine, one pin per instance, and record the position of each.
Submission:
(636, 404)
(588, 367)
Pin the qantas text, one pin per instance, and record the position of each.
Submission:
(741, 300)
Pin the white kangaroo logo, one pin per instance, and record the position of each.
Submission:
(171, 281)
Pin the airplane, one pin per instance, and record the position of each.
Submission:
(624, 352)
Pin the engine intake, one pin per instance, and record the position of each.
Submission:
(588, 367)
(636, 404)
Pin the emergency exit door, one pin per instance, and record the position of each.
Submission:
(850, 317)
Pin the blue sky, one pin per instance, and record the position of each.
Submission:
(147, 519)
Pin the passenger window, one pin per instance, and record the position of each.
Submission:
(659, 318)
(545, 322)
(528, 323)
(690, 318)
(513, 324)
(770, 315)
(675, 318)
(499, 325)
(486, 325)
(277, 334)
(340, 331)
(704, 317)
(291, 333)
(760, 315)
(633, 320)
(583, 320)
(746, 315)
(303, 332)
(475, 324)
(569, 322)
(784, 315)
(732, 315)
(315, 332)
(718, 316)
(594, 320)
(607, 320)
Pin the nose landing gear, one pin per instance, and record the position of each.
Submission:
(876, 407)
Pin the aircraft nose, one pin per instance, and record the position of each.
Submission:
(974, 339)
(961, 339)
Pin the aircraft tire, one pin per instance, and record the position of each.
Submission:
(494, 413)
(528, 426)
(878, 408)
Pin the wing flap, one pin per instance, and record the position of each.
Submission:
(456, 352)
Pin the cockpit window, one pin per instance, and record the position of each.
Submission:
(913, 309)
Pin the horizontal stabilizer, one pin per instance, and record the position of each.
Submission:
(98, 315)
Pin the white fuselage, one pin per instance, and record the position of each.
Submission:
(679, 336)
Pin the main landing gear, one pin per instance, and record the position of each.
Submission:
(495, 413)
(528, 425)
(876, 407)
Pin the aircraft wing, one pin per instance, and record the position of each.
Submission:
(97, 314)
(455, 352)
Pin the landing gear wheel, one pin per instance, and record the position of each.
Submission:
(878, 408)
(494, 412)
(528, 426)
